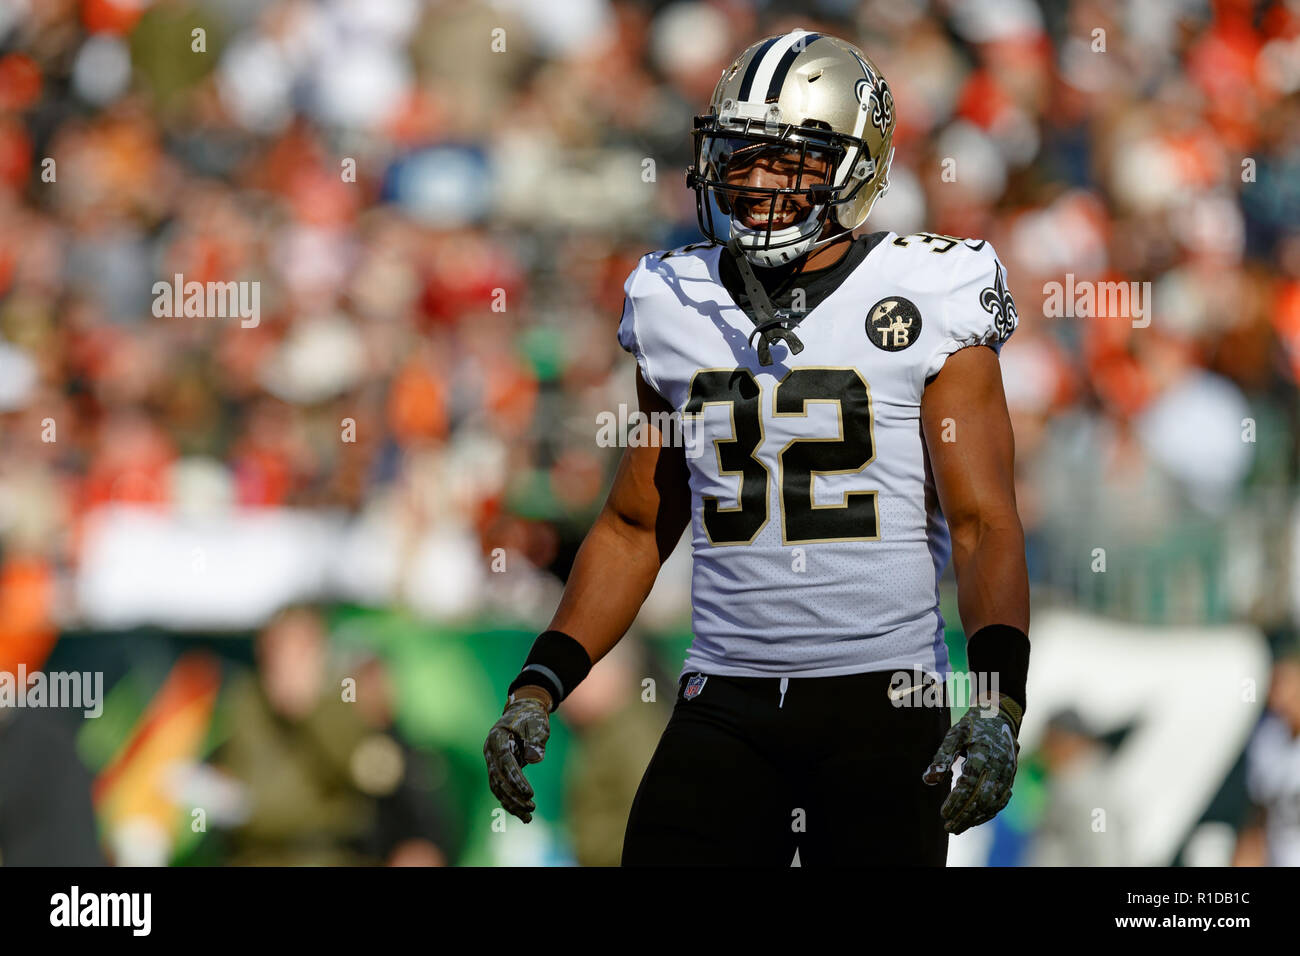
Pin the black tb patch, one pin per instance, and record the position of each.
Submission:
(893, 323)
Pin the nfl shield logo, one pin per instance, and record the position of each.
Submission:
(694, 686)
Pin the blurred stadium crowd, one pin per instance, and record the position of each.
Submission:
(440, 202)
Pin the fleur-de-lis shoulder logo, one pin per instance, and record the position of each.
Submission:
(997, 302)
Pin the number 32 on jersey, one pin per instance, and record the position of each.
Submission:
(855, 518)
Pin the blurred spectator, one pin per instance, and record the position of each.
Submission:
(1079, 824)
(326, 781)
(618, 729)
(1271, 834)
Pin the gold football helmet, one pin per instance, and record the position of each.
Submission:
(820, 108)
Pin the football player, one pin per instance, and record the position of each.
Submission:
(848, 434)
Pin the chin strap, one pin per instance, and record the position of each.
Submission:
(769, 321)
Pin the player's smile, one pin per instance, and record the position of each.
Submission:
(755, 214)
(775, 170)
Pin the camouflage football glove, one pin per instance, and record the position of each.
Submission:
(989, 744)
(518, 738)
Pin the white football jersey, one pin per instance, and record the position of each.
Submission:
(817, 537)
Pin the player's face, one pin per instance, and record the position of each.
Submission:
(773, 167)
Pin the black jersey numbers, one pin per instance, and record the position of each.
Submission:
(734, 387)
(938, 242)
(854, 518)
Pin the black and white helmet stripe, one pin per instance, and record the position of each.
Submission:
(768, 69)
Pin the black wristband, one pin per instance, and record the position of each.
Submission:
(557, 663)
(1002, 650)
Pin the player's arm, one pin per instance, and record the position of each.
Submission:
(638, 527)
(973, 475)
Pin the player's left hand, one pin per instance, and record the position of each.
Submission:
(989, 744)
(517, 739)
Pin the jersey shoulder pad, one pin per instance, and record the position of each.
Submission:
(635, 290)
(977, 308)
(627, 324)
(662, 264)
(691, 248)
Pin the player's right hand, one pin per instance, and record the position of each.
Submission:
(518, 738)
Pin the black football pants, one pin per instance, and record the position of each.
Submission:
(743, 777)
